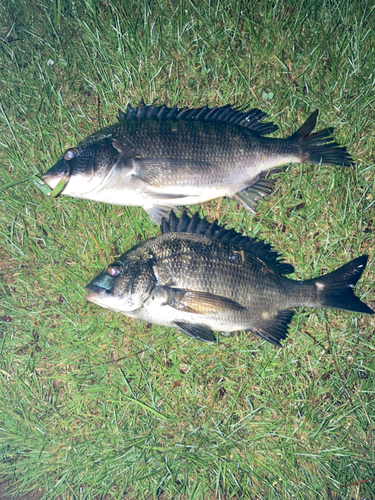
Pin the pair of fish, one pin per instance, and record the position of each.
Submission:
(197, 276)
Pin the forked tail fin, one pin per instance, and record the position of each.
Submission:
(320, 146)
(335, 290)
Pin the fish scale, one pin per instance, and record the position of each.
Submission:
(190, 141)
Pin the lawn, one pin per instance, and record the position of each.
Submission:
(95, 405)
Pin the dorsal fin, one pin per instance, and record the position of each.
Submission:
(197, 225)
(250, 119)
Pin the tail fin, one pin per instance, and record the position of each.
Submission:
(320, 147)
(335, 290)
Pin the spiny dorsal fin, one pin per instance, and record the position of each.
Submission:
(197, 225)
(250, 119)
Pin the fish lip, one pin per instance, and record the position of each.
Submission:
(96, 289)
(55, 174)
(51, 178)
(96, 292)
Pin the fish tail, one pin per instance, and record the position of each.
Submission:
(335, 290)
(320, 147)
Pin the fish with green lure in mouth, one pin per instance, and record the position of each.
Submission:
(199, 277)
(158, 158)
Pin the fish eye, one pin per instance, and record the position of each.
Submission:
(114, 270)
(70, 154)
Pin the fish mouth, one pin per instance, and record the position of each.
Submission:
(52, 179)
(54, 175)
(98, 291)
(96, 288)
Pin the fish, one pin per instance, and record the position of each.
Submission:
(199, 277)
(159, 158)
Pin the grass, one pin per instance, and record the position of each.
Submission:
(95, 405)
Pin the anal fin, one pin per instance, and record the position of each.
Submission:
(198, 332)
(276, 329)
(260, 189)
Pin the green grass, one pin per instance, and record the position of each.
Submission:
(95, 405)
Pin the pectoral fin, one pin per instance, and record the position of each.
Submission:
(169, 196)
(123, 146)
(156, 172)
(198, 332)
(200, 302)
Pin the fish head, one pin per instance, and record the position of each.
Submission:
(124, 285)
(84, 166)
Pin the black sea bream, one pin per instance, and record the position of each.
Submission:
(199, 277)
(159, 158)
